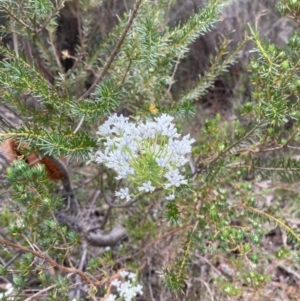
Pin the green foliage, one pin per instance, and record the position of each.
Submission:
(131, 71)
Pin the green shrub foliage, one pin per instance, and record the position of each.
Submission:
(82, 237)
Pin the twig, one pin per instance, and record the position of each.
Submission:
(80, 267)
(126, 72)
(92, 200)
(236, 142)
(12, 260)
(40, 292)
(20, 6)
(149, 282)
(15, 39)
(72, 201)
(207, 288)
(46, 258)
(277, 169)
(79, 28)
(105, 219)
(210, 264)
(57, 8)
(290, 271)
(54, 51)
(79, 125)
(2, 116)
(292, 15)
(114, 53)
(28, 50)
(128, 204)
(154, 242)
(173, 74)
(17, 19)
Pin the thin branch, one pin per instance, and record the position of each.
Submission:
(127, 204)
(42, 291)
(275, 169)
(46, 258)
(20, 6)
(142, 250)
(28, 50)
(6, 120)
(7, 264)
(236, 142)
(106, 216)
(291, 14)
(54, 51)
(57, 8)
(15, 39)
(67, 184)
(17, 19)
(290, 271)
(275, 219)
(126, 72)
(207, 288)
(114, 53)
(80, 267)
(173, 75)
(79, 125)
(79, 27)
(259, 148)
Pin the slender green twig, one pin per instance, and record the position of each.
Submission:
(113, 54)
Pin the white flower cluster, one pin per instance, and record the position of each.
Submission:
(147, 154)
(8, 291)
(127, 289)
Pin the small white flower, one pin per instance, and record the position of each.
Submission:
(110, 297)
(170, 197)
(174, 178)
(147, 187)
(46, 201)
(20, 223)
(100, 157)
(124, 274)
(162, 162)
(138, 289)
(123, 194)
(8, 291)
(147, 130)
(181, 147)
(127, 290)
(116, 282)
(132, 276)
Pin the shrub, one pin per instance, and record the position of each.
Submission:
(151, 199)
